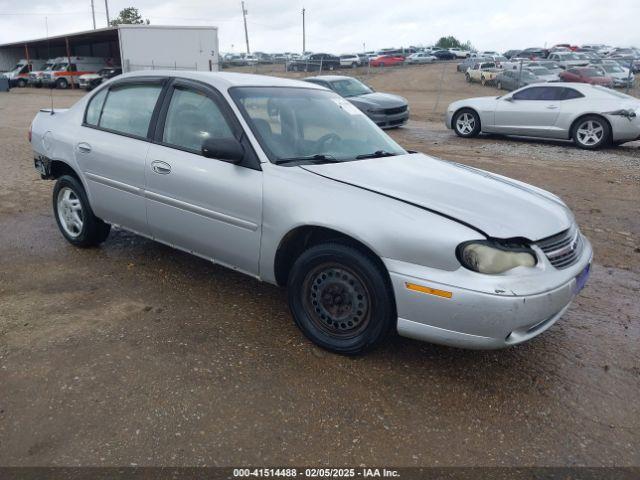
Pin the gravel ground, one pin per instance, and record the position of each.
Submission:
(134, 353)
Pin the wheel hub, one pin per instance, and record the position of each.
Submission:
(337, 300)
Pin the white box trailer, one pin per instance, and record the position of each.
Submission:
(134, 47)
(151, 47)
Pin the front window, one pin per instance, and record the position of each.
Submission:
(592, 72)
(59, 67)
(300, 124)
(350, 87)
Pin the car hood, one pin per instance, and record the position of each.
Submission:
(497, 206)
(378, 99)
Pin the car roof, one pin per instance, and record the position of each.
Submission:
(223, 80)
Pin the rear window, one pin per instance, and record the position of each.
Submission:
(92, 116)
(128, 109)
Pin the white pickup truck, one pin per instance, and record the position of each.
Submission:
(459, 52)
(483, 72)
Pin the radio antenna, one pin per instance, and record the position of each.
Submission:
(46, 26)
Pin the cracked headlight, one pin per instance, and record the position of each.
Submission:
(492, 257)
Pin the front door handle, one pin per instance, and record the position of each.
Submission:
(162, 168)
(84, 147)
(552, 107)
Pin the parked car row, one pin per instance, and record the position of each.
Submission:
(61, 72)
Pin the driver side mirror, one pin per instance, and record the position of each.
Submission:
(225, 149)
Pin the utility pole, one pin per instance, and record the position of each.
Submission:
(246, 33)
(304, 43)
(106, 8)
(93, 14)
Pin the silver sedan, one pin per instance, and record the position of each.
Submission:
(592, 116)
(291, 184)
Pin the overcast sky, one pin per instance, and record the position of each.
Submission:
(340, 26)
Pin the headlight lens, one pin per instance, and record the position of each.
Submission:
(492, 257)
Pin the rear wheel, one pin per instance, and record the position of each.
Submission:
(62, 83)
(591, 132)
(340, 298)
(22, 83)
(74, 215)
(466, 123)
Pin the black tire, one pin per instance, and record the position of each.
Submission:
(470, 126)
(600, 136)
(467, 77)
(62, 83)
(93, 231)
(341, 299)
(354, 65)
(22, 83)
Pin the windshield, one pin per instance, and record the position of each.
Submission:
(541, 71)
(613, 68)
(527, 75)
(568, 56)
(58, 67)
(350, 87)
(592, 72)
(299, 122)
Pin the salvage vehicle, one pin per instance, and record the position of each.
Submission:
(483, 72)
(290, 183)
(621, 76)
(387, 61)
(568, 60)
(314, 62)
(592, 75)
(89, 81)
(460, 52)
(19, 76)
(67, 72)
(592, 116)
(386, 110)
(35, 76)
(543, 74)
(443, 55)
(420, 58)
(349, 60)
(514, 79)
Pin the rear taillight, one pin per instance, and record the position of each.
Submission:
(29, 135)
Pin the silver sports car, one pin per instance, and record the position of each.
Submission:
(291, 184)
(592, 116)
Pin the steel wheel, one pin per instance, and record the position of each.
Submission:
(590, 133)
(465, 123)
(337, 300)
(70, 212)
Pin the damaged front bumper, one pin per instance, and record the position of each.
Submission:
(470, 310)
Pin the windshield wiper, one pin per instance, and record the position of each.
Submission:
(376, 154)
(321, 157)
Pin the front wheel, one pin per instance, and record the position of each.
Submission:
(341, 298)
(22, 83)
(62, 83)
(466, 123)
(591, 132)
(74, 215)
(468, 77)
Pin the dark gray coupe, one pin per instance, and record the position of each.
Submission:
(386, 110)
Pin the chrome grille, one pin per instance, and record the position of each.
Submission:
(562, 249)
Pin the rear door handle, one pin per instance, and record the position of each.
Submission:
(84, 147)
(162, 168)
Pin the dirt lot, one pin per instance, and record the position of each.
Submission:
(135, 353)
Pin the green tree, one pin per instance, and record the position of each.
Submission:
(129, 15)
(453, 42)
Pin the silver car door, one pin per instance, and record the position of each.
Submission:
(530, 111)
(206, 206)
(111, 149)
